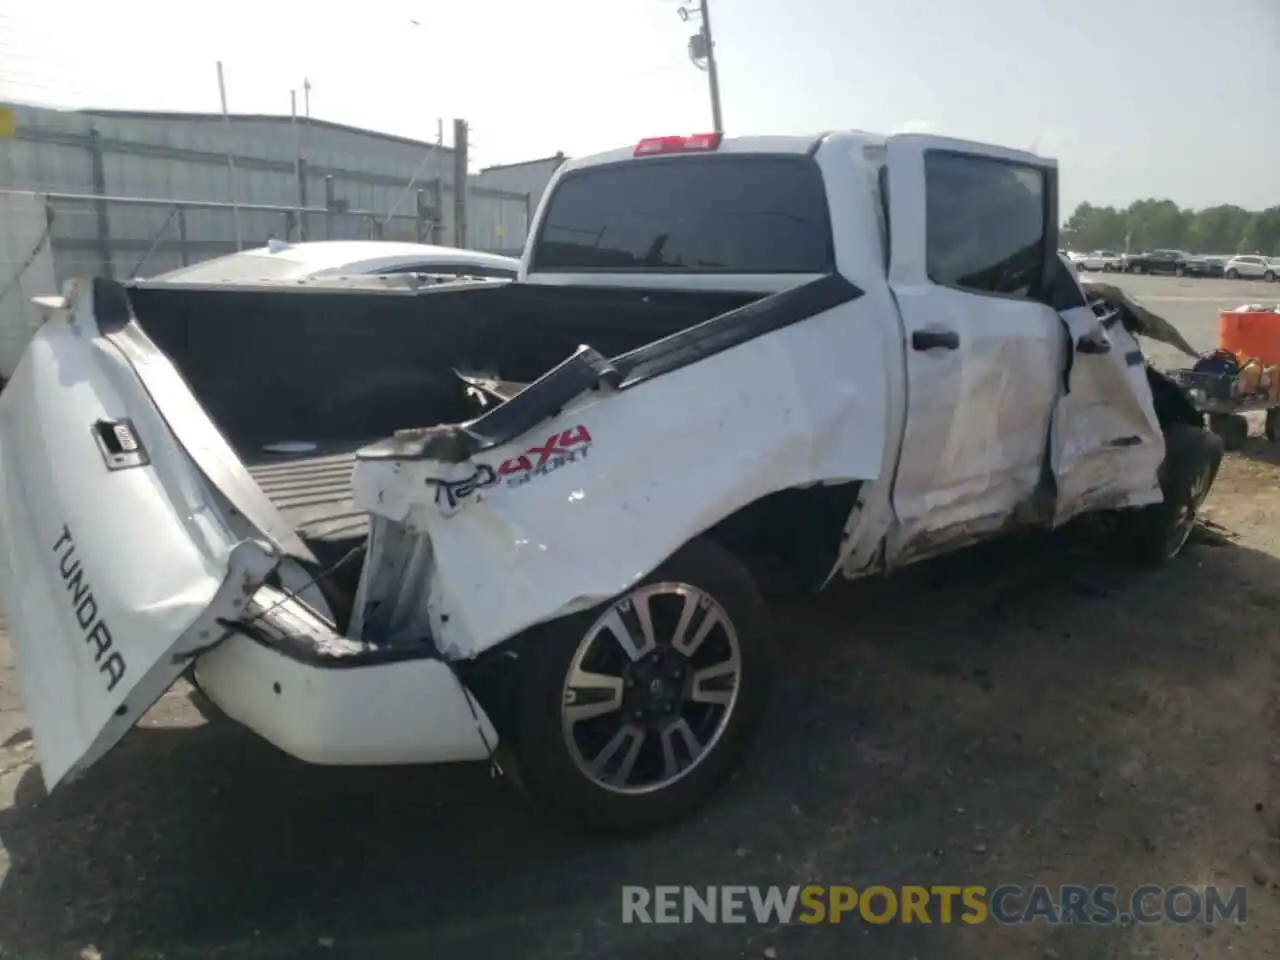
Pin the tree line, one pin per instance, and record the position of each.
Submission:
(1162, 225)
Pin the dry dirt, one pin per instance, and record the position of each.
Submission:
(1019, 714)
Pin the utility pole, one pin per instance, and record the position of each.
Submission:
(702, 53)
(713, 75)
(459, 183)
(231, 163)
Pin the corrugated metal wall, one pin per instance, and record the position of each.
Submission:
(356, 176)
(522, 178)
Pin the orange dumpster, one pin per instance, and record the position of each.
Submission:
(1251, 331)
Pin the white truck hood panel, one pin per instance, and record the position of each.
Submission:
(113, 575)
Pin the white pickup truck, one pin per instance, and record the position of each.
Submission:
(379, 523)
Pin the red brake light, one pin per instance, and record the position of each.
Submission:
(692, 144)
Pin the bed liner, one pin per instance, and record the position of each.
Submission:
(313, 491)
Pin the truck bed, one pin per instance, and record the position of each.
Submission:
(313, 491)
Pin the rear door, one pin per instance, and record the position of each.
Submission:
(117, 561)
(974, 235)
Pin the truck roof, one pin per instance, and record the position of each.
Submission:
(794, 144)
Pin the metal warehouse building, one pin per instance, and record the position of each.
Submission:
(135, 193)
(530, 177)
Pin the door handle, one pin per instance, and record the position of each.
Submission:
(935, 340)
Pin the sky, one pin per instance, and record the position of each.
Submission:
(1134, 98)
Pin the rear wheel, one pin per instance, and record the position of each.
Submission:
(1233, 274)
(1156, 534)
(633, 713)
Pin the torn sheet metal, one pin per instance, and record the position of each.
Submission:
(584, 505)
(1106, 442)
(1138, 319)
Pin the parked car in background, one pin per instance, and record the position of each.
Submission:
(321, 258)
(1157, 261)
(1105, 260)
(1213, 266)
(1197, 265)
(1250, 267)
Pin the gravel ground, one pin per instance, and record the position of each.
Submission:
(1043, 717)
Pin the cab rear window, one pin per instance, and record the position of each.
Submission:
(697, 214)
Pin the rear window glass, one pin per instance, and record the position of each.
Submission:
(705, 214)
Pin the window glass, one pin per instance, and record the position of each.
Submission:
(985, 224)
(702, 214)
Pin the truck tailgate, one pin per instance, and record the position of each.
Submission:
(117, 562)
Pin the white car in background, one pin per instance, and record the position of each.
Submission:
(1251, 267)
(1104, 260)
(321, 258)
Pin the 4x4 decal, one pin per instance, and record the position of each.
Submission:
(561, 449)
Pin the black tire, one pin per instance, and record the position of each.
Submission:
(1180, 272)
(547, 768)
(1272, 428)
(1269, 276)
(1232, 274)
(1154, 535)
(1232, 428)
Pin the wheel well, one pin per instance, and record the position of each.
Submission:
(790, 537)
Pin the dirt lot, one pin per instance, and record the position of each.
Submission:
(1043, 717)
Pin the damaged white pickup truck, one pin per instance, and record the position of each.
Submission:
(845, 353)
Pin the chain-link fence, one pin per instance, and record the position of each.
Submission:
(125, 237)
(26, 271)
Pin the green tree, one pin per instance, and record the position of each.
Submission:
(1217, 229)
(1153, 224)
(1157, 223)
(1095, 228)
(1262, 235)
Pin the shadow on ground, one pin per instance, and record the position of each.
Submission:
(1260, 449)
(970, 721)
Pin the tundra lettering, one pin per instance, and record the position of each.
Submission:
(96, 632)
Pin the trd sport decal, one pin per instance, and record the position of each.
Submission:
(561, 449)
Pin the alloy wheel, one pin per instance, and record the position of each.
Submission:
(651, 688)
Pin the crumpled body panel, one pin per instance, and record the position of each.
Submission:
(590, 501)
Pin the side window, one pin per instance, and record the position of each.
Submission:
(985, 224)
